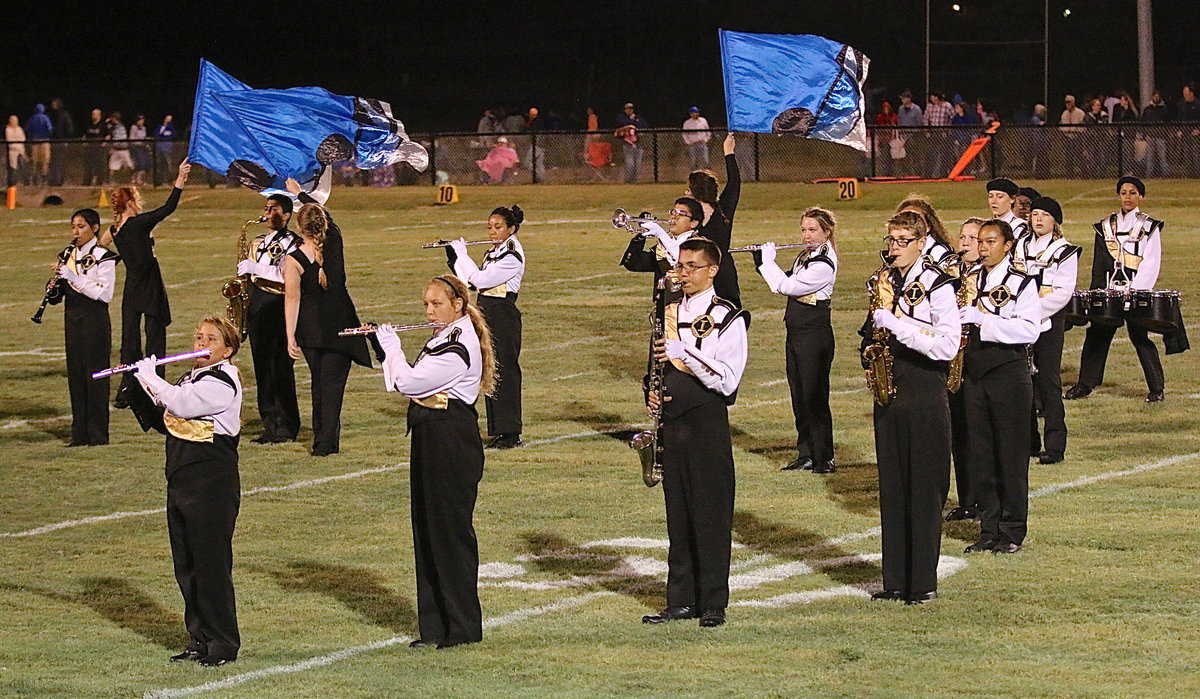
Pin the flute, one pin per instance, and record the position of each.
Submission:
(785, 246)
(371, 328)
(446, 243)
(124, 368)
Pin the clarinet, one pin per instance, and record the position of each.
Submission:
(54, 289)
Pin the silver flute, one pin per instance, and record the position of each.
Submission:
(785, 246)
(125, 368)
(447, 243)
(372, 328)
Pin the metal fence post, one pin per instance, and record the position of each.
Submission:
(654, 152)
(756, 157)
(433, 160)
(533, 155)
(153, 163)
(1120, 151)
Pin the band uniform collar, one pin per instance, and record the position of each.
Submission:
(705, 297)
(460, 323)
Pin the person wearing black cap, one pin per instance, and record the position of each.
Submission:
(1022, 202)
(1046, 255)
(1001, 195)
(1127, 256)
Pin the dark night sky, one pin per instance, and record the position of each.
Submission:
(440, 64)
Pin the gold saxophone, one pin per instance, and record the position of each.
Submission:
(877, 357)
(967, 291)
(237, 290)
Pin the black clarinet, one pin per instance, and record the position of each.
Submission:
(53, 286)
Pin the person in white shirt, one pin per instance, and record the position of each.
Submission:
(1133, 239)
(201, 416)
(696, 137)
(1004, 315)
(808, 286)
(498, 281)
(443, 384)
(960, 444)
(89, 273)
(1001, 196)
(705, 351)
(1048, 256)
(917, 320)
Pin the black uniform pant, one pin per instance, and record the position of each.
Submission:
(1095, 355)
(998, 408)
(329, 371)
(131, 340)
(809, 359)
(912, 448)
(504, 409)
(1047, 392)
(274, 374)
(446, 467)
(698, 485)
(202, 507)
(960, 446)
(89, 346)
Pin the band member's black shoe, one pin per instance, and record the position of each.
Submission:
(824, 467)
(712, 617)
(271, 439)
(920, 598)
(1006, 547)
(1155, 397)
(213, 661)
(450, 644)
(1048, 458)
(670, 614)
(981, 546)
(888, 595)
(188, 654)
(961, 513)
(505, 441)
(802, 463)
(1077, 391)
(422, 643)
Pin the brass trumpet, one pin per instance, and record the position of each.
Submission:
(372, 328)
(785, 246)
(446, 243)
(620, 219)
(237, 290)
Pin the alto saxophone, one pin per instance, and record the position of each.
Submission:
(648, 442)
(877, 357)
(967, 291)
(237, 290)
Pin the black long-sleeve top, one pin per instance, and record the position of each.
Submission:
(326, 311)
(719, 229)
(144, 288)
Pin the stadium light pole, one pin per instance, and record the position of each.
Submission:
(1145, 51)
(925, 96)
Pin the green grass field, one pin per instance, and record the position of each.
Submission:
(1102, 601)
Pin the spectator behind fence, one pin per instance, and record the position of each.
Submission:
(139, 150)
(1187, 110)
(1155, 164)
(884, 138)
(38, 130)
(939, 113)
(1111, 101)
(535, 154)
(1095, 113)
(628, 126)
(487, 122)
(165, 136)
(500, 160)
(513, 123)
(64, 128)
(1126, 110)
(118, 141)
(93, 157)
(696, 137)
(15, 135)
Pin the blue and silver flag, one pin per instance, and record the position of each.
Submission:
(794, 83)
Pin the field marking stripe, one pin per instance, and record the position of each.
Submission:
(159, 510)
(1088, 480)
(336, 656)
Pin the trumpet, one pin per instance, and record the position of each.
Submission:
(446, 243)
(371, 328)
(785, 246)
(620, 219)
(125, 368)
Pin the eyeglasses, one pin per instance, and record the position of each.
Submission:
(898, 242)
(681, 214)
(689, 268)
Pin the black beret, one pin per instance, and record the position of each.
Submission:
(1003, 184)
(1029, 192)
(1141, 186)
(1048, 205)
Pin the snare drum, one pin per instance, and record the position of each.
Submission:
(1106, 307)
(1155, 311)
(1075, 312)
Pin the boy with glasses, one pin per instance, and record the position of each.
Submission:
(657, 250)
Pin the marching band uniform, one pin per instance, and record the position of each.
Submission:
(1137, 239)
(90, 272)
(1020, 226)
(946, 259)
(809, 288)
(658, 253)
(1054, 262)
(273, 367)
(1005, 315)
(446, 467)
(707, 343)
(719, 229)
(960, 444)
(202, 416)
(498, 281)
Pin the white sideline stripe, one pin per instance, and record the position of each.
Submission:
(336, 656)
(159, 510)
(13, 424)
(947, 566)
(574, 376)
(1087, 480)
(54, 352)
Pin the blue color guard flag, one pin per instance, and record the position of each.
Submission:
(794, 83)
(263, 137)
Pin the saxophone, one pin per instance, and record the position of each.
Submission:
(877, 357)
(967, 291)
(648, 443)
(237, 290)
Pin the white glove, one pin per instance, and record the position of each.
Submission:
(767, 251)
(146, 366)
(970, 314)
(459, 246)
(65, 272)
(884, 319)
(388, 339)
(653, 230)
(247, 267)
(676, 349)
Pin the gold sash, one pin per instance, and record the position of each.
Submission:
(438, 401)
(190, 430)
(671, 332)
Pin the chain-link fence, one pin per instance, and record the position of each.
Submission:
(667, 155)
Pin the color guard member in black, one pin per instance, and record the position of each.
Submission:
(706, 348)
(498, 281)
(1004, 315)
(717, 224)
(808, 286)
(89, 274)
(443, 384)
(960, 445)
(202, 418)
(273, 366)
(912, 432)
(145, 295)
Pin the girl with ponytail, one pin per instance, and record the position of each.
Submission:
(443, 384)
